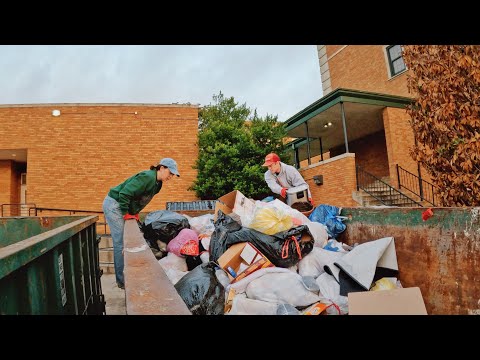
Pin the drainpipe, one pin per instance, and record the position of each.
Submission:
(308, 144)
(321, 149)
(344, 127)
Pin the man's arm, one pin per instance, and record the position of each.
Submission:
(272, 183)
(298, 180)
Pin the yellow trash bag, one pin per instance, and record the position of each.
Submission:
(271, 221)
(384, 284)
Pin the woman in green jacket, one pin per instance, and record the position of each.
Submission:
(126, 200)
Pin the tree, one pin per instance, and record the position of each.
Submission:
(445, 118)
(233, 143)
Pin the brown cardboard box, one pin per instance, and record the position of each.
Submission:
(234, 199)
(233, 258)
(403, 301)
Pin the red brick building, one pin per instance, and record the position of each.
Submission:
(70, 161)
(359, 130)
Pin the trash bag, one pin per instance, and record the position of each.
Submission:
(271, 221)
(162, 225)
(283, 249)
(329, 216)
(201, 291)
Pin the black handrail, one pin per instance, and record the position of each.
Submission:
(380, 190)
(18, 206)
(415, 184)
(72, 212)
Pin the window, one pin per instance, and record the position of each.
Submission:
(395, 60)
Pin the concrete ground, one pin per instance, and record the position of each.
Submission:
(114, 296)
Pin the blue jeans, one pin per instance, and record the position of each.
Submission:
(116, 223)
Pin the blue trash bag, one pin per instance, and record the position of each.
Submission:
(329, 216)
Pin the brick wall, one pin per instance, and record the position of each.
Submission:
(338, 181)
(371, 154)
(364, 67)
(74, 159)
(6, 181)
(399, 137)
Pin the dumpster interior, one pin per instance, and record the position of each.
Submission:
(254, 257)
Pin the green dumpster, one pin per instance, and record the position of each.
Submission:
(440, 255)
(50, 266)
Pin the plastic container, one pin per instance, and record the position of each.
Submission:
(297, 194)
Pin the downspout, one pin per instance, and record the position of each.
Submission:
(344, 127)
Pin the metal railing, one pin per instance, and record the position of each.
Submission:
(415, 184)
(49, 211)
(25, 209)
(382, 191)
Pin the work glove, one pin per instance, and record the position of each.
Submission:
(284, 192)
(311, 201)
(128, 216)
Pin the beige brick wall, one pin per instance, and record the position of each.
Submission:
(74, 159)
(338, 181)
(364, 67)
(400, 140)
(6, 181)
(371, 154)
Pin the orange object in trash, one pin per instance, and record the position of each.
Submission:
(315, 309)
(190, 247)
(427, 214)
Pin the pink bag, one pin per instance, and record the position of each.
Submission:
(175, 245)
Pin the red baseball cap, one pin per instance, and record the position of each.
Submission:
(270, 159)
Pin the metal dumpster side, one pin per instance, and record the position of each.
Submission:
(50, 266)
(440, 255)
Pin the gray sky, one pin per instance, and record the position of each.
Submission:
(275, 79)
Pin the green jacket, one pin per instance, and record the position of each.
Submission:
(136, 192)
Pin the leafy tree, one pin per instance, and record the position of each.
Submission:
(233, 142)
(445, 118)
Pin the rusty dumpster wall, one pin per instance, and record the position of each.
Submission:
(441, 255)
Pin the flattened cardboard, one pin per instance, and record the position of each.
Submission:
(232, 258)
(234, 200)
(403, 301)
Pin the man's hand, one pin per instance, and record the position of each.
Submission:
(128, 216)
(284, 192)
(311, 201)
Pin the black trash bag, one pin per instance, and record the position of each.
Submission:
(274, 247)
(162, 225)
(201, 290)
(194, 260)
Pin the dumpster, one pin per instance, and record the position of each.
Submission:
(50, 266)
(440, 255)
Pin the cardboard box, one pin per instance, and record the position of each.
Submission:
(403, 301)
(233, 258)
(229, 301)
(234, 200)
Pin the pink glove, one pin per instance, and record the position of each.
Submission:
(284, 192)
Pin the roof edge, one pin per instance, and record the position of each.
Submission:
(347, 95)
(100, 105)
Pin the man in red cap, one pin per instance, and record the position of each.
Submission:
(281, 176)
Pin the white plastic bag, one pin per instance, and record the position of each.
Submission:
(281, 288)
(313, 263)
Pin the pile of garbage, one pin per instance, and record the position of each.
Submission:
(267, 258)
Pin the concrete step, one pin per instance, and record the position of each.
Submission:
(105, 242)
(107, 268)
(106, 255)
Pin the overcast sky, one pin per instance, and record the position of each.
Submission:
(278, 80)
